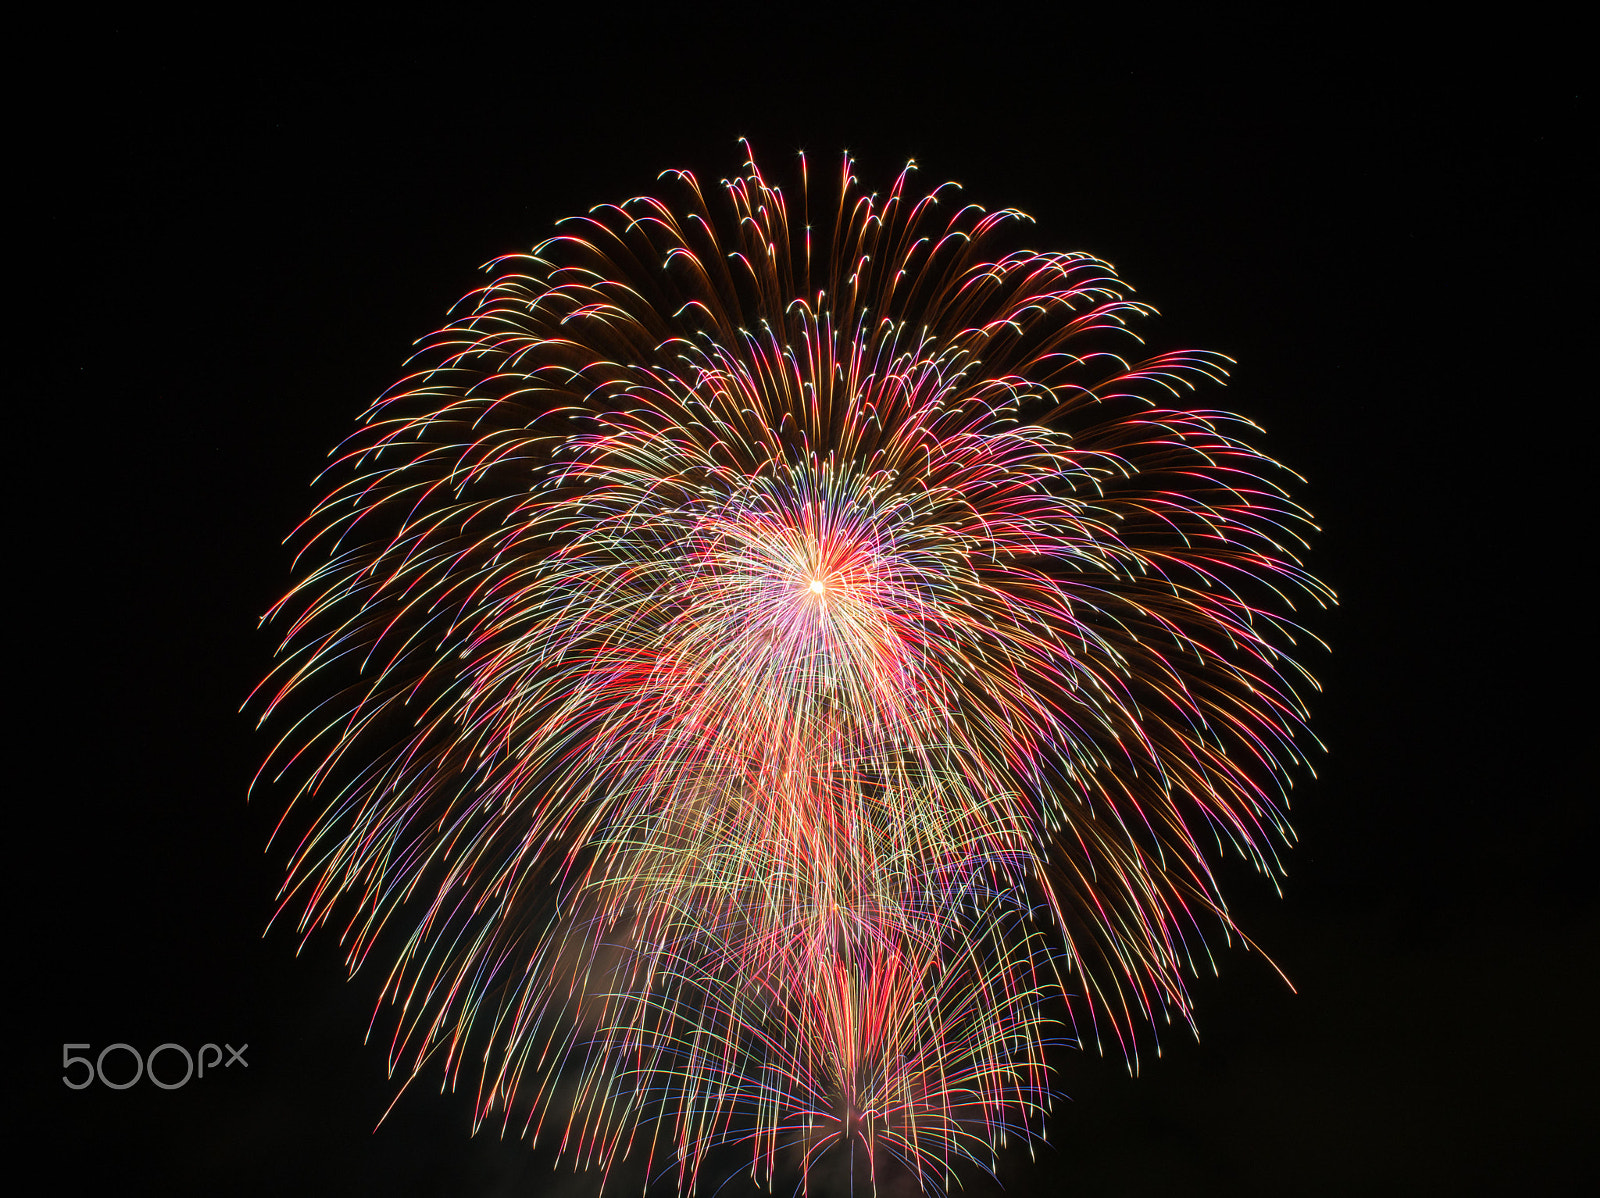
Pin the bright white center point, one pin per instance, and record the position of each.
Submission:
(816, 586)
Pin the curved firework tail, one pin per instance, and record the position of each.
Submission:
(770, 667)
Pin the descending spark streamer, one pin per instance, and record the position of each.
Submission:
(776, 663)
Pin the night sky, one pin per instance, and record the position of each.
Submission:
(235, 238)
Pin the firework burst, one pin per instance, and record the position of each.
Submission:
(763, 669)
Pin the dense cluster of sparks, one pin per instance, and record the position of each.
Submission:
(767, 675)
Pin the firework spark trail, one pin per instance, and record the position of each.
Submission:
(771, 661)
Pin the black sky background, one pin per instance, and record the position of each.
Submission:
(237, 237)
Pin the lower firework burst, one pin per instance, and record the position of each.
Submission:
(764, 672)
